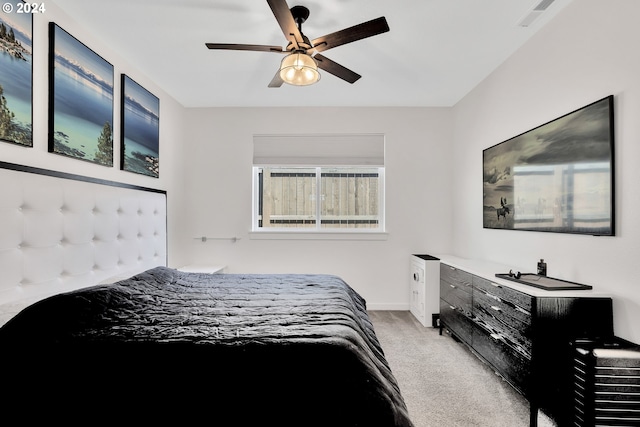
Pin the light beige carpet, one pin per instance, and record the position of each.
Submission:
(442, 382)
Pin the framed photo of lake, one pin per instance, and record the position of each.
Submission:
(140, 130)
(80, 100)
(16, 76)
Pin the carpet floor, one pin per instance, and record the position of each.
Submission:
(442, 382)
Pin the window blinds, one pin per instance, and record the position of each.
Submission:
(319, 150)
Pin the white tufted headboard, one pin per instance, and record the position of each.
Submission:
(60, 232)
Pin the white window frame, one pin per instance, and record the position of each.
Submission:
(323, 151)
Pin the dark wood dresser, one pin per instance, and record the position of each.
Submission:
(524, 333)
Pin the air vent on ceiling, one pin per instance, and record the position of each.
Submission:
(543, 5)
(535, 13)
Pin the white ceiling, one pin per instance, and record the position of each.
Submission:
(435, 52)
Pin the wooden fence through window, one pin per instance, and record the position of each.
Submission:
(349, 198)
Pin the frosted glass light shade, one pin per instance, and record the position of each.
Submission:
(299, 69)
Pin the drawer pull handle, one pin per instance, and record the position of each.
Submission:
(495, 285)
(496, 308)
(452, 307)
(453, 286)
(496, 337)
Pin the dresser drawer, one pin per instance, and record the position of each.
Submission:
(503, 310)
(507, 295)
(512, 366)
(456, 321)
(457, 297)
(458, 278)
(517, 334)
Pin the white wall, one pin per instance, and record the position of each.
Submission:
(418, 140)
(434, 191)
(588, 52)
(171, 122)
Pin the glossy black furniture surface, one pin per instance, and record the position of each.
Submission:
(525, 336)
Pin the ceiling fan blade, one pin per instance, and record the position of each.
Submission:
(276, 81)
(252, 47)
(351, 34)
(285, 19)
(336, 69)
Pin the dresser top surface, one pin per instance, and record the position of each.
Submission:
(488, 270)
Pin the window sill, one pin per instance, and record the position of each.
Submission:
(318, 235)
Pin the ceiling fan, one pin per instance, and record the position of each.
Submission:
(300, 66)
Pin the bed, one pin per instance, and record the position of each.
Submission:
(164, 346)
(292, 349)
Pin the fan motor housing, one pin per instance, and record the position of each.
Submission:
(300, 14)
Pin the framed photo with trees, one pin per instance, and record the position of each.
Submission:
(16, 92)
(80, 100)
(140, 131)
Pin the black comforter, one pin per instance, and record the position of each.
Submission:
(231, 350)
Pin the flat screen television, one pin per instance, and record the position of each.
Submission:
(557, 177)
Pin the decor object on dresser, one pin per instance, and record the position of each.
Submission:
(558, 177)
(80, 100)
(425, 289)
(140, 129)
(543, 282)
(300, 66)
(16, 63)
(523, 332)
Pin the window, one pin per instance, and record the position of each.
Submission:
(319, 183)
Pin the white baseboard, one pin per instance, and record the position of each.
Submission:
(387, 307)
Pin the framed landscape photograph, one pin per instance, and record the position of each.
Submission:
(80, 100)
(557, 177)
(140, 129)
(16, 75)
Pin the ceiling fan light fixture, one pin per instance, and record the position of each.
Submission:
(299, 69)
